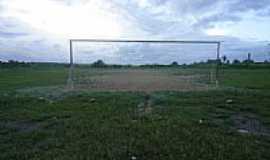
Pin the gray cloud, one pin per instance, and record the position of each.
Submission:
(161, 19)
(265, 12)
(11, 34)
(197, 13)
(246, 5)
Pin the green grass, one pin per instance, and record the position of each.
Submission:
(112, 125)
(111, 128)
(17, 78)
(246, 78)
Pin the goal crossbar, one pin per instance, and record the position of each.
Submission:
(145, 41)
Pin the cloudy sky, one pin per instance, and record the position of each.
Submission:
(38, 30)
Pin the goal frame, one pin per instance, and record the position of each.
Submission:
(71, 58)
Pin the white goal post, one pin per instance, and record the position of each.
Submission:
(71, 41)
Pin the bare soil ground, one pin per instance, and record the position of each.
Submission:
(141, 80)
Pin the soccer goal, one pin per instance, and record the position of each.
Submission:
(143, 65)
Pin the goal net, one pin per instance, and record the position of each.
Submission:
(143, 65)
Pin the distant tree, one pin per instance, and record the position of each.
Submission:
(248, 60)
(228, 62)
(211, 61)
(99, 63)
(249, 57)
(224, 58)
(12, 61)
(174, 63)
(236, 61)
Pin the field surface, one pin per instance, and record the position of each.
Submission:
(134, 114)
(163, 79)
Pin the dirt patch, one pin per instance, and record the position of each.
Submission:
(141, 80)
(248, 123)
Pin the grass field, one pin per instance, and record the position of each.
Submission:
(40, 119)
(246, 78)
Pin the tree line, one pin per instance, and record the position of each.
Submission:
(223, 61)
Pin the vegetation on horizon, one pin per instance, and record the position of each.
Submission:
(223, 61)
(41, 121)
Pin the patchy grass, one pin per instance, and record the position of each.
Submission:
(17, 78)
(47, 123)
(107, 126)
(246, 78)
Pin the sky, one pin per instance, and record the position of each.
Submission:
(39, 30)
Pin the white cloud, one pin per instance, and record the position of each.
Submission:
(40, 29)
(68, 21)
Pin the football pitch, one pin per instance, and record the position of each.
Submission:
(134, 113)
